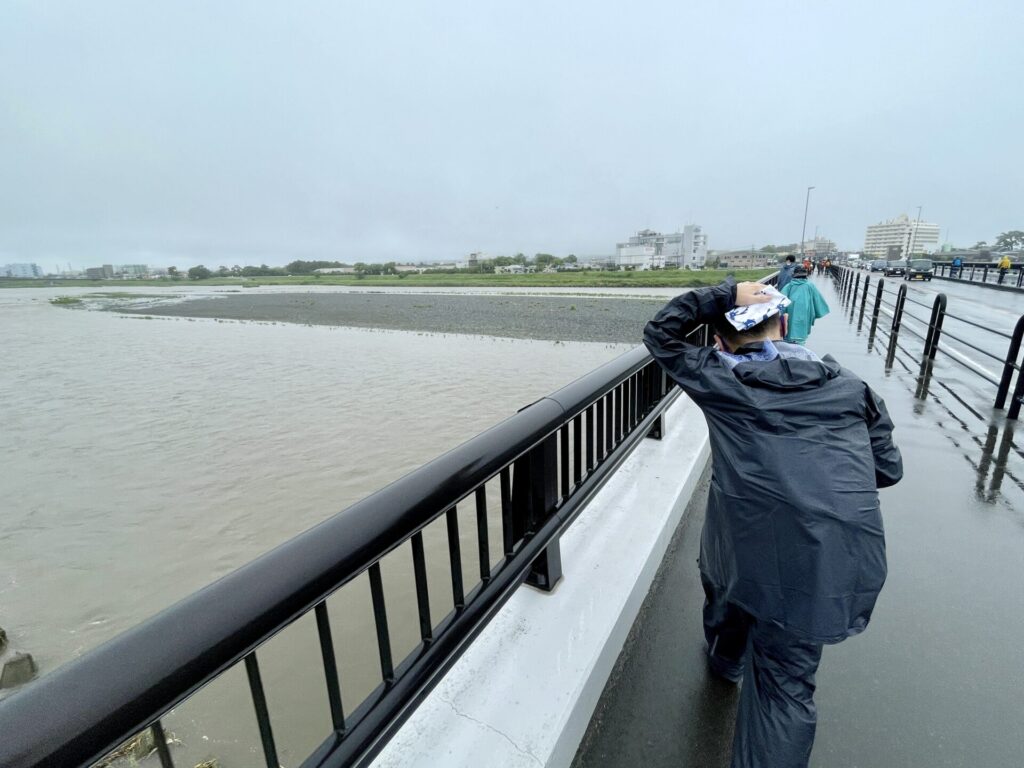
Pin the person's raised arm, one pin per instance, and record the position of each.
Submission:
(665, 335)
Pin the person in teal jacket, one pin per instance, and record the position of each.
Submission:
(807, 306)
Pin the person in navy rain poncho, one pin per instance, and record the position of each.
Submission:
(786, 273)
(793, 550)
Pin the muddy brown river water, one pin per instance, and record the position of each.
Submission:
(141, 459)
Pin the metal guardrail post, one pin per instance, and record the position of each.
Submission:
(931, 342)
(853, 295)
(1018, 394)
(534, 494)
(659, 385)
(863, 301)
(897, 319)
(1010, 363)
(971, 278)
(875, 311)
(984, 274)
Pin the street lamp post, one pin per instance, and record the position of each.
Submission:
(803, 232)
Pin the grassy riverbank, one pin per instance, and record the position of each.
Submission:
(671, 278)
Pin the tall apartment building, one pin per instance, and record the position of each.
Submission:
(695, 247)
(911, 237)
(20, 270)
(648, 249)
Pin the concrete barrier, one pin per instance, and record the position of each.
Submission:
(523, 693)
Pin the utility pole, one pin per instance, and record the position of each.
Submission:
(803, 232)
(914, 235)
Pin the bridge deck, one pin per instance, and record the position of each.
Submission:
(938, 678)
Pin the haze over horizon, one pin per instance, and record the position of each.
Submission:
(191, 133)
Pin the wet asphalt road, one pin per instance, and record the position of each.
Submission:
(937, 679)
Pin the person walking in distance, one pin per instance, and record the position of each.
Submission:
(789, 560)
(786, 273)
(1004, 266)
(807, 305)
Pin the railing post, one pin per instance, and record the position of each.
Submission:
(853, 295)
(658, 383)
(1018, 394)
(534, 494)
(874, 312)
(897, 319)
(984, 274)
(863, 301)
(1010, 362)
(931, 342)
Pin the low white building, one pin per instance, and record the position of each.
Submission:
(639, 257)
(648, 249)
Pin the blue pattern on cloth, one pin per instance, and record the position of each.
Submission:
(768, 351)
(742, 318)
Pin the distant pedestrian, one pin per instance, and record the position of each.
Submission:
(958, 266)
(792, 552)
(1004, 266)
(806, 307)
(786, 273)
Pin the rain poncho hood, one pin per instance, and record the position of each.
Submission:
(793, 533)
(806, 307)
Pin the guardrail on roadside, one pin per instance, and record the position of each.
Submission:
(853, 290)
(982, 272)
(543, 464)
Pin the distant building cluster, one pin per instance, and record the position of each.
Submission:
(121, 272)
(21, 270)
(648, 249)
(819, 247)
(900, 238)
(747, 259)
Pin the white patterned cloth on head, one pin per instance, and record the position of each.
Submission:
(742, 318)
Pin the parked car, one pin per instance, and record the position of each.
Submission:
(895, 268)
(919, 269)
(878, 265)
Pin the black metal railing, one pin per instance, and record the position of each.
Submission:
(548, 460)
(932, 333)
(543, 465)
(982, 272)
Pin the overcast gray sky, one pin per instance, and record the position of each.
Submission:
(219, 132)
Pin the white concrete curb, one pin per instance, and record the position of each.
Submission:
(523, 693)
